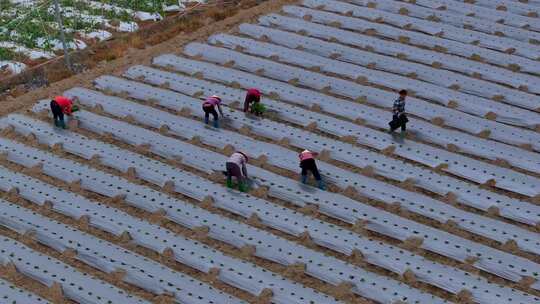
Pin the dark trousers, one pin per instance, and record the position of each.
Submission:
(233, 170)
(399, 121)
(310, 165)
(58, 114)
(210, 110)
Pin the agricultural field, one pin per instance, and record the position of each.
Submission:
(127, 202)
(29, 33)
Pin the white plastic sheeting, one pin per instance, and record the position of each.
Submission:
(286, 159)
(427, 29)
(77, 286)
(535, 3)
(158, 279)
(13, 67)
(10, 294)
(433, 240)
(508, 113)
(514, 6)
(56, 44)
(107, 257)
(505, 113)
(505, 178)
(31, 53)
(162, 147)
(479, 87)
(382, 98)
(474, 197)
(394, 48)
(438, 243)
(342, 210)
(456, 19)
(505, 17)
(423, 74)
(470, 144)
(121, 26)
(497, 131)
(100, 35)
(240, 274)
(140, 15)
(226, 230)
(394, 259)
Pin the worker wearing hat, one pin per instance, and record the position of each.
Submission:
(209, 107)
(307, 163)
(236, 166)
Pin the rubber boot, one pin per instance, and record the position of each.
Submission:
(216, 123)
(229, 183)
(62, 124)
(206, 120)
(303, 179)
(56, 123)
(320, 184)
(242, 186)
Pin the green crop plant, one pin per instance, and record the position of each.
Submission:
(35, 26)
(6, 54)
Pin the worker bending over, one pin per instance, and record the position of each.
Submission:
(307, 163)
(209, 107)
(253, 103)
(61, 105)
(236, 166)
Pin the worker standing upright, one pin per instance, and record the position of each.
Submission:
(61, 105)
(236, 167)
(209, 107)
(252, 102)
(399, 118)
(307, 163)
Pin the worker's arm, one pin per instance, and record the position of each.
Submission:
(244, 170)
(220, 110)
